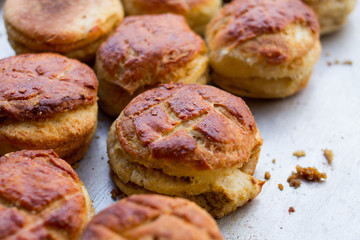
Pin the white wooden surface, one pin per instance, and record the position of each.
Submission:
(324, 115)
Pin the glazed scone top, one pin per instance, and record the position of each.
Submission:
(160, 6)
(192, 127)
(38, 192)
(41, 85)
(148, 47)
(62, 21)
(241, 20)
(153, 217)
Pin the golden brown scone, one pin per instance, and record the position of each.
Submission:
(332, 14)
(197, 13)
(47, 101)
(145, 51)
(74, 28)
(41, 197)
(192, 141)
(263, 48)
(152, 217)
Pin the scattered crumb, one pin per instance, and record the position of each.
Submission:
(274, 161)
(347, 62)
(97, 137)
(92, 169)
(291, 210)
(102, 158)
(281, 187)
(327, 54)
(329, 155)
(293, 180)
(299, 154)
(115, 193)
(267, 175)
(337, 62)
(75, 165)
(308, 173)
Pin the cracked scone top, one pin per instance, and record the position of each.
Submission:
(75, 28)
(42, 85)
(145, 51)
(152, 217)
(263, 48)
(197, 13)
(47, 101)
(33, 206)
(187, 140)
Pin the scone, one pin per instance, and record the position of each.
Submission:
(47, 101)
(263, 48)
(145, 51)
(74, 28)
(42, 197)
(192, 141)
(332, 14)
(197, 13)
(152, 217)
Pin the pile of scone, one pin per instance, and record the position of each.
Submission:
(173, 134)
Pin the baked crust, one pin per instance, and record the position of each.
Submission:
(197, 13)
(42, 85)
(241, 21)
(153, 217)
(191, 141)
(179, 126)
(126, 59)
(39, 25)
(332, 14)
(263, 49)
(31, 202)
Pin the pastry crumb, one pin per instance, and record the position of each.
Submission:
(308, 173)
(327, 54)
(281, 187)
(329, 63)
(267, 175)
(75, 165)
(299, 154)
(115, 193)
(274, 161)
(347, 62)
(329, 155)
(97, 137)
(291, 210)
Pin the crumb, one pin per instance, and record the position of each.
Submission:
(329, 155)
(337, 61)
(347, 62)
(293, 180)
(97, 137)
(327, 54)
(299, 154)
(92, 169)
(309, 174)
(274, 161)
(115, 193)
(102, 158)
(291, 210)
(329, 63)
(267, 175)
(281, 187)
(75, 165)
